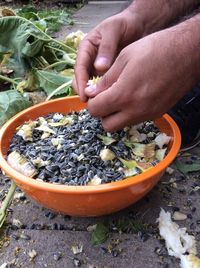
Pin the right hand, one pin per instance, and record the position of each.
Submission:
(100, 47)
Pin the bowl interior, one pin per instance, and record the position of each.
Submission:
(66, 105)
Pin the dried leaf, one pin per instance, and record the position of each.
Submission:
(144, 150)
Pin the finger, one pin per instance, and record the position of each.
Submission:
(84, 65)
(115, 122)
(107, 50)
(74, 85)
(107, 102)
(107, 80)
(121, 119)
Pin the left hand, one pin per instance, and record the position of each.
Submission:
(146, 80)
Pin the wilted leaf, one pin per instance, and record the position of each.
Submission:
(27, 43)
(105, 139)
(11, 102)
(160, 154)
(130, 164)
(144, 150)
(100, 234)
(129, 144)
(186, 168)
(52, 19)
(49, 81)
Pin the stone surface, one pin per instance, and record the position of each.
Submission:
(91, 15)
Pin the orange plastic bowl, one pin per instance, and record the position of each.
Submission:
(85, 200)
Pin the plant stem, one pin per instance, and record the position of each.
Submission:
(9, 196)
(43, 60)
(65, 46)
(58, 89)
(48, 38)
(6, 203)
(5, 78)
(54, 48)
(55, 64)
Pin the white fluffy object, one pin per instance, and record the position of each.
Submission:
(178, 241)
(190, 261)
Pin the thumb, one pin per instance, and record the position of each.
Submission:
(107, 51)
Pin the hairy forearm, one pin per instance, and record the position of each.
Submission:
(158, 14)
(186, 41)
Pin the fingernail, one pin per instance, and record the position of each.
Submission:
(91, 89)
(102, 61)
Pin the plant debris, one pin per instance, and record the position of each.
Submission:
(76, 249)
(32, 254)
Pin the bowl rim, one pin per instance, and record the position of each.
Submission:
(22, 180)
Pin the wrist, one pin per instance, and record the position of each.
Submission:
(157, 15)
(153, 17)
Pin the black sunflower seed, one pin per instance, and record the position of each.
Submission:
(76, 160)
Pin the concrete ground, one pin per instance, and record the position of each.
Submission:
(138, 245)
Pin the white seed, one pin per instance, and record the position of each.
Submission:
(107, 154)
(178, 216)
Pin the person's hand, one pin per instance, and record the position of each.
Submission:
(146, 80)
(100, 47)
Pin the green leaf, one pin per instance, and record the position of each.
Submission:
(106, 140)
(129, 144)
(53, 19)
(11, 102)
(26, 11)
(49, 81)
(130, 164)
(24, 40)
(27, 43)
(100, 234)
(186, 168)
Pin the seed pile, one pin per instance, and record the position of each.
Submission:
(74, 149)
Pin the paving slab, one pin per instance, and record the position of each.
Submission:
(49, 243)
(91, 15)
(52, 234)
